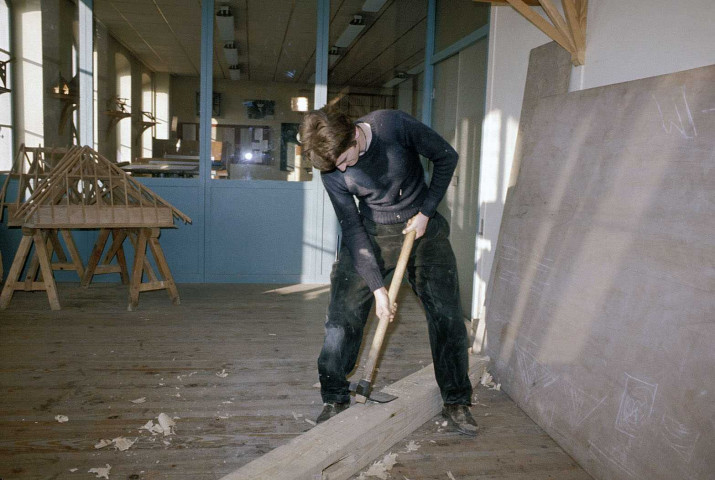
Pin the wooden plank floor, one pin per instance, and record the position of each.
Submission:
(90, 359)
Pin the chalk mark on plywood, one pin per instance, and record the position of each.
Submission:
(582, 405)
(679, 437)
(612, 458)
(534, 374)
(513, 262)
(636, 405)
(681, 125)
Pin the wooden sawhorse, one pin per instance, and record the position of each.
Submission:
(141, 237)
(31, 236)
(46, 241)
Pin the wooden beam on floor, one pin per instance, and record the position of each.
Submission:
(348, 442)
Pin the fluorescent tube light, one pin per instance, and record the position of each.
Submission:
(234, 72)
(224, 23)
(230, 52)
(398, 78)
(333, 56)
(351, 32)
(373, 5)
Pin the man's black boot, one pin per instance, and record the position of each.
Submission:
(330, 410)
(460, 418)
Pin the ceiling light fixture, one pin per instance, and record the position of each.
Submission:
(231, 53)
(224, 23)
(299, 104)
(333, 55)
(234, 72)
(351, 32)
(373, 5)
(396, 80)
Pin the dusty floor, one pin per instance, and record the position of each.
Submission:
(234, 366)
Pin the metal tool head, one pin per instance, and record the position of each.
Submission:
(365, 389)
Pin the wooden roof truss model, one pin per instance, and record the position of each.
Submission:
(86, 190)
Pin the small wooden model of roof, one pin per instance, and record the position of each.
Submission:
(30, 167)
(86, 190)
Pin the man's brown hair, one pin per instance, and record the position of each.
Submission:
(325, 134)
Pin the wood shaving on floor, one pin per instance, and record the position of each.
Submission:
(101, 472)
(138, 400)
(222, 373)
(120, 443)
(380, 468)
(488, 381)
(165, 425)
(62, 418)
(412, 446)
(102, 443)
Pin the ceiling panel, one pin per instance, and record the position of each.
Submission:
(275, 38)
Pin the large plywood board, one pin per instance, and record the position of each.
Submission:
(601, 315)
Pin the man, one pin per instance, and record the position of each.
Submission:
(376, 160)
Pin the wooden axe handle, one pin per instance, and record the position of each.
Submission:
(369, 369)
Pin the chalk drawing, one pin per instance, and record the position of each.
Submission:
(617, 456)
(581, 404)
(679, 437)
(508, 276)
(534, 374)
(684, 123)
(513, 261)
(707, 110)
(636, 405)
(510, 253)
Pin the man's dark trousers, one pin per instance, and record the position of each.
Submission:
(432, 273)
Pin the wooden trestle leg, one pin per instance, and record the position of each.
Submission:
(37, 237)
(150, 237)
(95, 267)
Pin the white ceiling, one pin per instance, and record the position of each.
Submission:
(276, 38)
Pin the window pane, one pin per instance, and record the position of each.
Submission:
(45, 66)
(381, 66)
(6, 154)
(263, 66)
(142, 49)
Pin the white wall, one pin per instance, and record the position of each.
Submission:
(625, 40)
(631, 40)
(511, 38)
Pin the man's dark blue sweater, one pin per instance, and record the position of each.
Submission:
(389, 182)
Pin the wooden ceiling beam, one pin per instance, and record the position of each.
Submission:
(558, 21)
(570, 32)
(575, 11)
(540, 23)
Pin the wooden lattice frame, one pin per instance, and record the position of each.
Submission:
(30, 167)
(568, 30)
(86, 190)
